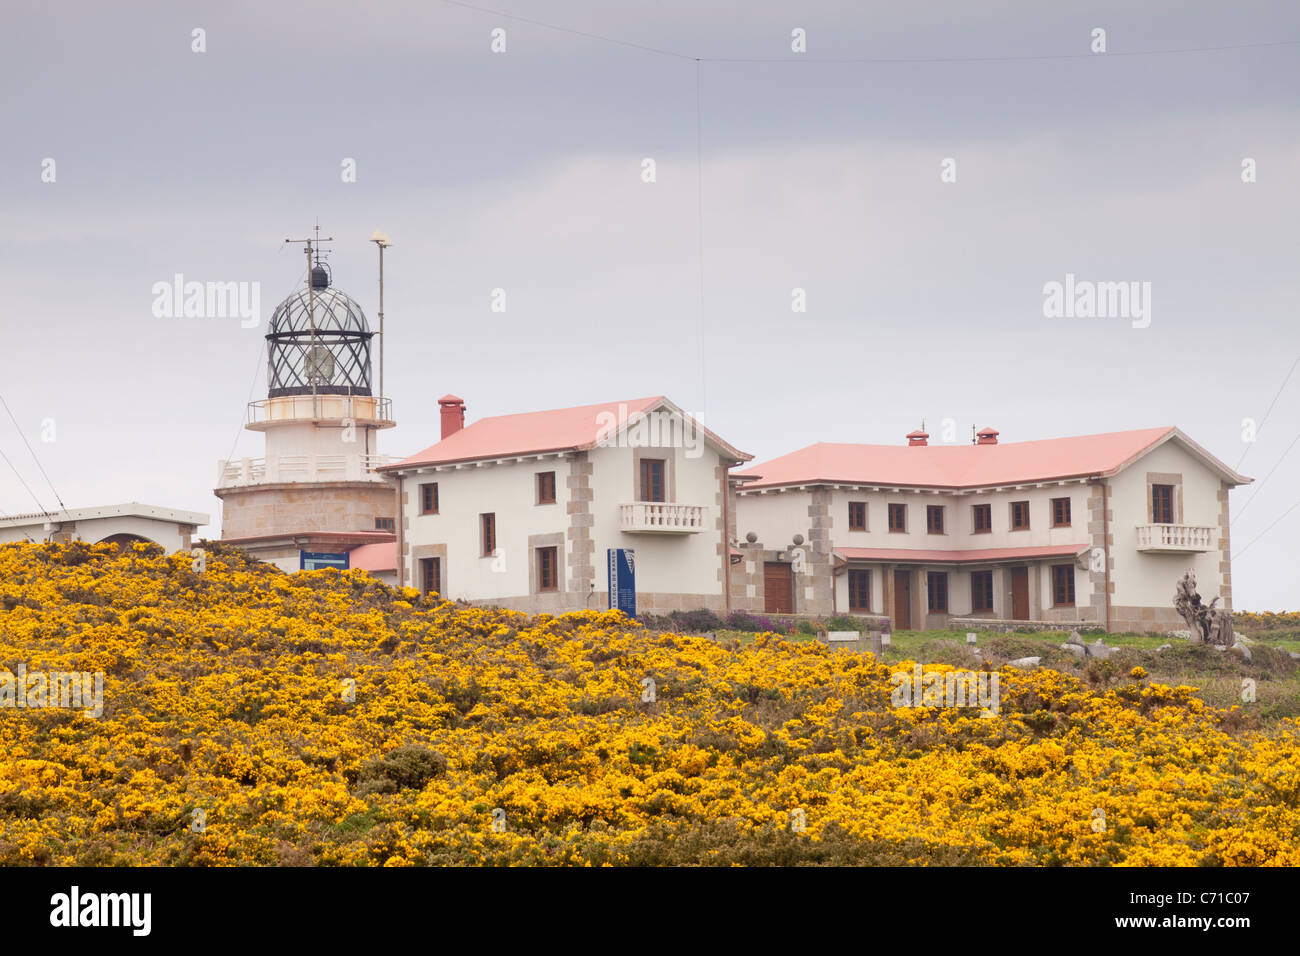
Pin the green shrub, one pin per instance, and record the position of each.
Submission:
(409, 767)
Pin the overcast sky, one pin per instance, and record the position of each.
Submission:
(522, 171)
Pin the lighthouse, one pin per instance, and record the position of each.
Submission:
(315, 496)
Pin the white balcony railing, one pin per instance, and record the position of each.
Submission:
(653, 516)
(1175, 537)
(296, 468)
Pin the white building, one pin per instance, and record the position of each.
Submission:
(1095, 529)
(521, 510)
(170, 527)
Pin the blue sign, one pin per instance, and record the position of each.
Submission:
(315, 560)
(622, 580)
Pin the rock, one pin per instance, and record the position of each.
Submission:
(1078, 649)
(1098, 650)
(1164, 647)
(1241, 649)
(1076, 639)
(1024, 662)
(1295, 655)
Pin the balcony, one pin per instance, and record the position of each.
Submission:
(289, 409)
(652, 517)
(1176, 538)
(240, 472)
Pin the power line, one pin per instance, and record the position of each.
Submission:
(40, 507)
(1269, 411)
(19, 429)
(699, 209)
(1255, 494)
(1268, 529)
(6, 515)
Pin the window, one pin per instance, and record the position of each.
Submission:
(429, 499)
(430, 575)
(938, 590)
(652, 479)
(1162, 504)
(1063, 585)
(983, 518)
(934, 519)
(859, 590)
(857, 516)
(981, 590)
(548, 569)
(385, 524)
(898, 518)
(489, 523)
(1060, 512)
(546, 487)
(1019, 515)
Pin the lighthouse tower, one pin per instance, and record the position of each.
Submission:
(315, 496)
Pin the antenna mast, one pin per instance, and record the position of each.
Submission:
(312, 354)
(381, 240)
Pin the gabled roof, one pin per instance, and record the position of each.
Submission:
(562, 429)
(972, 466)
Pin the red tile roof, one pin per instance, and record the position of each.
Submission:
(978, 555)
(531, 433)
(970, 466)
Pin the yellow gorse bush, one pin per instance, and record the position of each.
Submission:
(478, 735)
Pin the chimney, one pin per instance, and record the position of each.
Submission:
(453, 415)
(918, 437)
(986, 436)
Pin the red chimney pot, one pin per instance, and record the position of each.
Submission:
(453, 415)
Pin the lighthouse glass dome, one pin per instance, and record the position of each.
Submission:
(332, 359)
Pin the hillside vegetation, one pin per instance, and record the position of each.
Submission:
(231, 692)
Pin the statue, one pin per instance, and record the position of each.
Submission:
(1208, 624)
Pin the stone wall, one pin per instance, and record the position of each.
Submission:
(257, 510)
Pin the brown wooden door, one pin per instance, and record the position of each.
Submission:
(903, 600)
(1019, 594)
(778, 588)
(430, 575)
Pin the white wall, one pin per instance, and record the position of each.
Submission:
(508, 490)
(307, 438)
(776, 516)
(678, 563)
(1149, 580)
(685, 563)
(93, 530)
